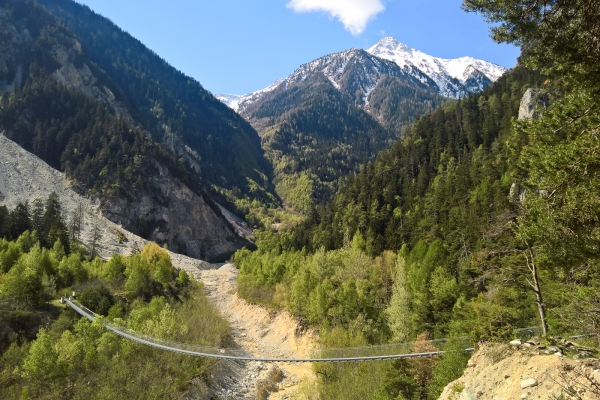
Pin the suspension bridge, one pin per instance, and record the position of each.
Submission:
(352, 354)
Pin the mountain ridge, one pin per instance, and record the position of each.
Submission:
(452, 78)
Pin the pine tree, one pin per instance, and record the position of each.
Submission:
(19, 221)
(53, 225)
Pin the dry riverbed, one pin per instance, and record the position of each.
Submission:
(259, 333)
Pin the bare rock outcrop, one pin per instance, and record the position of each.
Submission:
(25, 177)
(527, 370)
(188, 222)
(530, 100)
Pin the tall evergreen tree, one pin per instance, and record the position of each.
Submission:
(4, 214)
(19, 221)
(53, 224)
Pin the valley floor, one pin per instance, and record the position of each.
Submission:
(260, 333)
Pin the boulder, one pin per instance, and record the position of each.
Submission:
(527, 383)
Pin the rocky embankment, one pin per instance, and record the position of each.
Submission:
(553, 369)
(24, 177)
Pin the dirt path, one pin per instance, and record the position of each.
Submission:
(260, 333)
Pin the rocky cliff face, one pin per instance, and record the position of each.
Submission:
(531, 99)
(182, 219)
(189, 223)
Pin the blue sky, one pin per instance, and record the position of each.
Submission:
(239, 46)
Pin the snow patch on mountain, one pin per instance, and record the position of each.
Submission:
(451, 75)
(453, 78)
(238, 102)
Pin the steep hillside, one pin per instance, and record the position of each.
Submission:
(73, 116)
(25, 178)
(445, 178)
(531, 371)
(320, 123)
(223, 148)
(390, 84)
(321, 136)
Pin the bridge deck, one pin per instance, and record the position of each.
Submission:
(230, 354)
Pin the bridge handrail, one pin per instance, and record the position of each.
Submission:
(200, 351)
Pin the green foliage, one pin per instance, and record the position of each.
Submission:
(71, 270)
(139, 278)
(9, 254)
(449, 368)
(350, 380)
(398, 311)
(47, 221)
(74, 358)
(23, 282)
(559, 36)
(98, 299)
(41, 362)
(182, 278)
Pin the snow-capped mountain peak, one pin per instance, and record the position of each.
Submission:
(357, 70)
(472, 74)
(237, 101)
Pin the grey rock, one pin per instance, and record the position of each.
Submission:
(466, 395)
(529, 101)
(527, 383)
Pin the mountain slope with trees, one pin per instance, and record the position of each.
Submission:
(176, 109)
(71, 114)
(475, 223)
(322, 122)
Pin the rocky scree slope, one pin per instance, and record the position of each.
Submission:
(25, 177)
(73, 116)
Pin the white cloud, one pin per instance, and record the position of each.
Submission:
(354, 14)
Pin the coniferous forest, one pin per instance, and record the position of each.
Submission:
(481, 218)
(475, 223)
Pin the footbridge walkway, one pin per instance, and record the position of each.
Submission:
(353, 354)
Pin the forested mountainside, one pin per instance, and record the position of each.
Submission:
(431, 198)
(71, 114)
(318, 138)
(448, 176)
(474, 223)
(221, 146)
(371, 96)
(397, 255)
(332, 114)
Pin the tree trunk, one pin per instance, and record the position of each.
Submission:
(535, 285)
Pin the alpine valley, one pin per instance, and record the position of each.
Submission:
(386, 204)
(322, 122)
